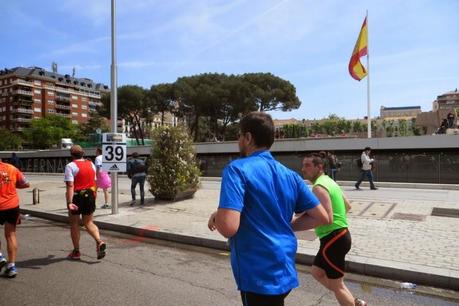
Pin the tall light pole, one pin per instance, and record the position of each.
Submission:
(114, 106)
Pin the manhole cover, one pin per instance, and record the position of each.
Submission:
(409, 217)
(445, 212)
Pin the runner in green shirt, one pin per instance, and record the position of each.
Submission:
(335, 239)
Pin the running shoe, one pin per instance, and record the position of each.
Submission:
(74, 255)
(2, 262)
(10, 272)
(101, 246)
(360, 302)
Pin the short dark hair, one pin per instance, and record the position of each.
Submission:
(316, 159)
(135, 154)
(367, 148)
(261, 126)
(98, 150)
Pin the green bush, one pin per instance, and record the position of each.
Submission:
(173, 167)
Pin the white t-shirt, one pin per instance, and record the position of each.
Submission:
(98, 161)
(71, 170)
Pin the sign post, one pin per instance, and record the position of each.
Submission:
(114, 103)
(114, 154)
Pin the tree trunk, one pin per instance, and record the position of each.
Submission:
(142, 136)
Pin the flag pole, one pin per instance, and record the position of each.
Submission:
(368, 83)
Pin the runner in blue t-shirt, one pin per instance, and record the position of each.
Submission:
(257, 201)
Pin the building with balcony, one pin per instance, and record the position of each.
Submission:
(28, 93)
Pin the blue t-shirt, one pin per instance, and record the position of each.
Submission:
(267, 194)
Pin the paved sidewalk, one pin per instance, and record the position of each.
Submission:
(394, 234)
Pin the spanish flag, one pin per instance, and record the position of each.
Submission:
(356, 69)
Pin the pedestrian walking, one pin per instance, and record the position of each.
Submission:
(335, 238)
(333, 164)
(137, 172)
(80, 180)
(11, 178)
(16, 161)
(366, 165)
(257, 201)
(103, 180)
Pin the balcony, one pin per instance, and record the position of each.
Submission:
(21, 101)
(21, 119)
(64, 115)
(60, 106)
(23, 92)
(21, 110)
(61, 98)
(22, 82)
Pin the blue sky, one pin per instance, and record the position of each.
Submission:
(414, 45)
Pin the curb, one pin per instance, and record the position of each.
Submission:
(366, 267)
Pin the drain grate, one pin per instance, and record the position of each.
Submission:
(409, 217)
(445, 212)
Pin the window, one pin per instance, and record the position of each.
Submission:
(37, 109)
(51, 102)
(75, 105)
(50, 93)
(51, 111)
(74, 98)
(75, 114)
(36, 82)
(37, 100)
(84, 107)
(37, 91)
(84, 115)
(75, 121)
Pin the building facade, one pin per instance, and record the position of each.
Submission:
(29, 93)
(404, 112)
(448, 101)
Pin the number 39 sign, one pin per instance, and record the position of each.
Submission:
(114, 152)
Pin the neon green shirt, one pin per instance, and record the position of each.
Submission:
(338, 206)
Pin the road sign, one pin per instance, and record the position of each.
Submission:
(114, 152)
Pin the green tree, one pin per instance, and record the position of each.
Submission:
(44, 133)
(270, 92)
(95, 121)
(132, 103)
(162, 99)
(173, 166)
(9, 140)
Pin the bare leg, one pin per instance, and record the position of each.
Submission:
(342, 293)
(75, 230)
(106, 195)
(11, 241)
(92, 229)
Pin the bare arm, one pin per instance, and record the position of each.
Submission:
(69, 196)
(310, 219)
(226, 221)
(347, 203)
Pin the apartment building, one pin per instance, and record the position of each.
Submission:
(28, 93)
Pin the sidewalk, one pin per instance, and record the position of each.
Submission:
(394, 234)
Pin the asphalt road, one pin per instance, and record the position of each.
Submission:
(139, 271)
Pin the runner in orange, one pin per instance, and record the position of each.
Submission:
(80, 179)
(10, 179)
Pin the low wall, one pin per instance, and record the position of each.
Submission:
(421, 159)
